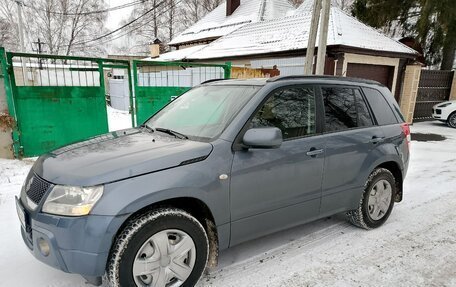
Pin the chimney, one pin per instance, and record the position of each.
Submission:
(155, 48)
(231, 6)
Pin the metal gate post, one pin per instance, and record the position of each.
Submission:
(131, 73)
(227, 70)
(135, 89)
(6, 70)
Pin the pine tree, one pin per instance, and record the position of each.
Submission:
(431, 22)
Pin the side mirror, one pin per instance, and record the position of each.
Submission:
(264, 138)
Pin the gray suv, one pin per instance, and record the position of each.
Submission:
(227, 162)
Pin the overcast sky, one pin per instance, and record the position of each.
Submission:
(115, 17)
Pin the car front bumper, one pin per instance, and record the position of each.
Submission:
(79, 245)
(440, 114)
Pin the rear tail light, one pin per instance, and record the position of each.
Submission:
(406, 130)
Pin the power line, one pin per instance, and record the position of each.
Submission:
(120, 28)
(123, 6)
(132, 30)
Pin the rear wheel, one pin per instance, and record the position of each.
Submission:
(163, 248)
(377, 201)
(452, 120)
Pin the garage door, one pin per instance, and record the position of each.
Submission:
(379, 73)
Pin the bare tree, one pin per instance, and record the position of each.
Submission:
(344, 5)
(210, 5)
(64, 25)
(5, 35)
(8, 17)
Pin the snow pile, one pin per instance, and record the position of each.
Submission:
(416, 247)
(118, 120)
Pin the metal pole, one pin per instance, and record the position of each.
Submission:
(312, 38)
(20, 25)
(6, 67)
(321, 58)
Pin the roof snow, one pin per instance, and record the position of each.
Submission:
(177, 55)
(217, 24)
(291, 33)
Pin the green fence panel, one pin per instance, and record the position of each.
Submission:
(150, 100)
(157, 83)
(57, 100)
(51, 117)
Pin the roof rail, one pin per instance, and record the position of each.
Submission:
(346, 79)
(213, 80)
(293, 77)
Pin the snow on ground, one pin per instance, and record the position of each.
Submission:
(416, 247)
(118, 120)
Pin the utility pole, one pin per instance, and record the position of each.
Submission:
(312, 38)
(321, 58)
(39, 45)
(39, 50)
(20, 25)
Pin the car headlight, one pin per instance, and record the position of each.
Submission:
(72, 201)
(444, 105)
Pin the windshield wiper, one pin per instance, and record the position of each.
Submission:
(173, 133)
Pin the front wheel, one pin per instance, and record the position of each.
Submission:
(377, 201)
(162, 248)
(452, 120)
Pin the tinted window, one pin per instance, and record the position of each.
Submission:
(364, 117)
(340, 109)
(382, 110)
(292, 110)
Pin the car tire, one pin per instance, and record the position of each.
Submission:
(452, 120)
(380, 189)
(143, 239)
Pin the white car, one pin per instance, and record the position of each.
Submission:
(445, 112)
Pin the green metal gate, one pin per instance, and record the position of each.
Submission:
(55, 100)
(158, 83)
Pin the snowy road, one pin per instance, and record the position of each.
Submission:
(416, 247)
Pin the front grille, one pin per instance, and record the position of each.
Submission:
(438, 111)
(36, 188)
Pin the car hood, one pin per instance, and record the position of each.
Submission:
(116, 156)
(453, 103)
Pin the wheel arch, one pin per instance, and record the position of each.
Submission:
(196, 208)
(396, 170)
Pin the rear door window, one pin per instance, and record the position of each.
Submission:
(364, 116)
(345, 109)
(382, 110)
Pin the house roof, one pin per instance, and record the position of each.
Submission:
(217, 24)
(291, 33)
(177, 55)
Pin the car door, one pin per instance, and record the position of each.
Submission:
(351, 140)
(272, 189)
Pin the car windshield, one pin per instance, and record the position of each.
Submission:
(204, 112)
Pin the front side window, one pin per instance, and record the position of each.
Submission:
(203, 113)
(290, 109)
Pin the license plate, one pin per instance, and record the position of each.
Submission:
(20, 213)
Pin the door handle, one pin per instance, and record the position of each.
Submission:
(376, 140)
(314, 152)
